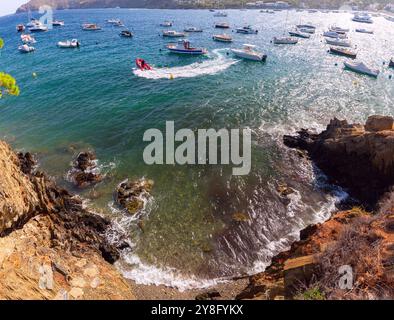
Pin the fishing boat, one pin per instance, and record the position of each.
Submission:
(248, 52)
(28, 39)
(166, 24)
(90, 27)
(363, 18)
(299, 34)
(173, 34)
(183, 47)
(338, 42)
(57, 23)
(391, 63)
(126, 34)
(222, 38)
(74, 43)
(334, 34)
(222, 25)
(220, 14)
(343, 52)
(361, 68)
(364, 31)
(26, 48)
(192, 29)
(142, 65)
(285, 40)
(20, 28)
(247, 30)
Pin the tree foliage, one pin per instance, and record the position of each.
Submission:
(8, 85)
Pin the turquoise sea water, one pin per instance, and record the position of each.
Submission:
(91, 98)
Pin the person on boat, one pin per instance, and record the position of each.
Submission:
(186, 44)
(142, 64)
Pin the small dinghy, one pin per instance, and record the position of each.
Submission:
(339, 43)
(343, 52)
(299, 34)
(247, 30)
(173, 34)
(58, 23)
(26, 49)
(142, 65)
(248, 52)
(285, 40)
(69, 44)
(361, 68)
(126, 34)
(183, 47)
(192, 29)
(364, 31)
(222, 38)
(20, 28)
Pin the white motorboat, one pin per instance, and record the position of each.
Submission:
(389, 18)
(361, 68)
(183, 47)
(33, 23)
(28, 39)
(339, 42)
(173, 34)
(285, 40)
(113, 21)
(166, 24)
(126, 34)
(299, 34)
(364, 31)
(26, 49)
(69, 44)
(339, 30)
(363, 18)
(220, 14)
(57, 23)
(192, 29)
(222, 38)
(222, 25)
(335, 35)
(248, 52)
(36, 26)
(247, 30)
(90, 27)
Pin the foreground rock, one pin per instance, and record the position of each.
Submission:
(50, 247)
(85, 171)
(356, 156)
(132, 195)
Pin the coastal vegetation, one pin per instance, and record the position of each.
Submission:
(7, 82)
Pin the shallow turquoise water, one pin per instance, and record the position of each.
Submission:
(90, 98)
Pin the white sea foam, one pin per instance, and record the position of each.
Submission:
(217, 63)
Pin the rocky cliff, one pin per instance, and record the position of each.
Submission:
(50, 246)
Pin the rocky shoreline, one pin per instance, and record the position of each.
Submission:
(53, 248)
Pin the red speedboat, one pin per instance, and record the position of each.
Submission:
(142, 65)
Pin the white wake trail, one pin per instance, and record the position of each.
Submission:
(212, 66)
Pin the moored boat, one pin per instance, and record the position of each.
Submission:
(126, 34)
(339, 30)
(57, 23)
(308, 26)
(343, 52)
(166, 24)
(27, 38)
(26, 48)
(222, 25)
(90, 27)
(222, 38)
(361, 68)
(20, 28)
(183, 47)
(364, 18)
(334, 34)
(338, 42)
(74, 43)
(173, 34)
(299, 34)
(220, 14)
(192, 29)
(307, 30)
(364, 31)
(248, 52)
(285, 40)
(247, 30)
(391, 63)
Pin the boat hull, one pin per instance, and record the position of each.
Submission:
(244, 55)
(371, 73)
(343, 53)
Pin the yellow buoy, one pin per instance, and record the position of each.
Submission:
(171, 76)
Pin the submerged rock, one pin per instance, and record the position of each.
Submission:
(85, 171)
(357, 157)
(132, 195)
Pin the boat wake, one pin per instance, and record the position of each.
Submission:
(218, 63)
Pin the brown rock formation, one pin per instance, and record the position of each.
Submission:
(50, 247)
(357, 157)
